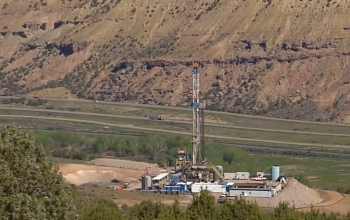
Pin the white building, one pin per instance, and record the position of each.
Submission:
(215, 188)
(162, 178)
(249, 192)
(230, 176)
(242, 175)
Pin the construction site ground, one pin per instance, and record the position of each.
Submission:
(104, 170)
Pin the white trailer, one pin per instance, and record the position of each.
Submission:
(259, 193)
(197, 187)
(242, 175)
(230, 176)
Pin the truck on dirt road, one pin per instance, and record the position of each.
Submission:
(155, 117)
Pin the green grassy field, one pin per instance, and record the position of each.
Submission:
(186, 115)
(320, 172)
(288, 140)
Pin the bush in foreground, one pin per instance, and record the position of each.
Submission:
(30, 186)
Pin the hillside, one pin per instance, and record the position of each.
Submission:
(278, 58)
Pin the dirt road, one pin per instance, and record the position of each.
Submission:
(332, 202)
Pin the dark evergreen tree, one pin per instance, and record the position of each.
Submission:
(31, 187)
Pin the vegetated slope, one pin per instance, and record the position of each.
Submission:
(279, 58)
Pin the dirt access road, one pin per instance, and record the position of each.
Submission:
(332, 202)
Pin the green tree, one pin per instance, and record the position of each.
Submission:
(146, 210)
(100, 144)
(286, 212)
(242, 209)
(172, 213)
(240, 159)
(202, 207)
(44, 140)
(100, 210)
(65, 139)
(31, 187)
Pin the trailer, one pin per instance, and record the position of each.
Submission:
(215, 188)
(242, 175)
(155, 117)
(230, 176)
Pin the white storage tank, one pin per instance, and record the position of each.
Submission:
(275, 172)
(148, 182)
(143, 182)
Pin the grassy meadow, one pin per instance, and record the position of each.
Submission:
(321, 173)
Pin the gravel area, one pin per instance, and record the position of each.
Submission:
(294, 193)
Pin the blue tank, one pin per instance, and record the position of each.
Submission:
(275, 172)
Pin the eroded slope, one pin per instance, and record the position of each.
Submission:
(279, 58)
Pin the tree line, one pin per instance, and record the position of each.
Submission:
(203, 206)
(151, 147)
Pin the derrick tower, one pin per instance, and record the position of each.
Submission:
(198, 120)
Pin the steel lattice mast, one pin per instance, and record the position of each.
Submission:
(196, 137)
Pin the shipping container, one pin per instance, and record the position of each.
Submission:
(197, 187)
(230, 176)
(172, 188)
(242, 175)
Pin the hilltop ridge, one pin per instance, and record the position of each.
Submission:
(284, 59)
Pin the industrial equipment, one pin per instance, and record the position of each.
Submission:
(194, 167)
(197, 157)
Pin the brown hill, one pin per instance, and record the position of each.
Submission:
(278, 58)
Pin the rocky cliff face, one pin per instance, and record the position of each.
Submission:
(285, 59)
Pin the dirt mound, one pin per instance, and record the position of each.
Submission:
(295, 194)
(126, 164)
(79, 174)
(85, 176)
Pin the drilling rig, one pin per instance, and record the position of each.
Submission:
(194, 167)
(198, 107)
